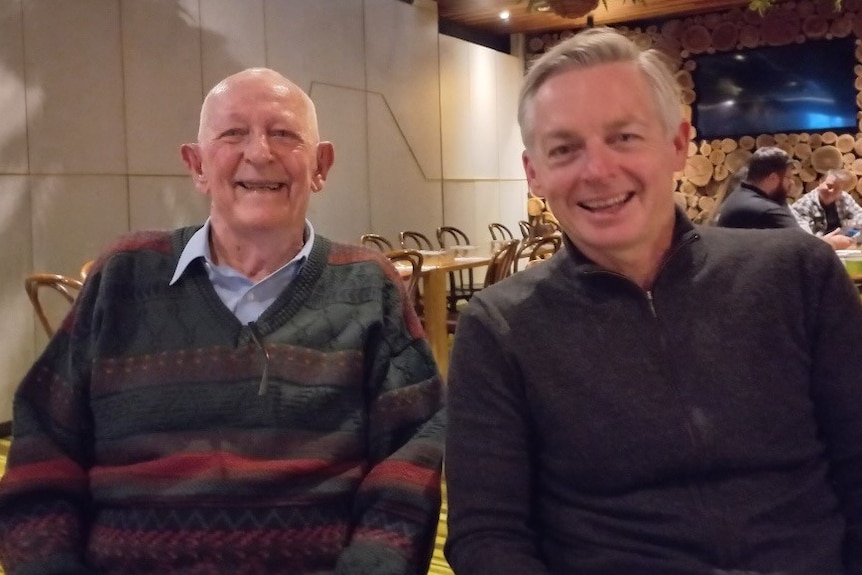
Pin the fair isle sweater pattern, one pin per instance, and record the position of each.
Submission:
(141, 443)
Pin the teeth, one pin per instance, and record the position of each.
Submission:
(260, 186)
(607, 203)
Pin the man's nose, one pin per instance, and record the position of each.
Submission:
(598, 160)
(257, 149)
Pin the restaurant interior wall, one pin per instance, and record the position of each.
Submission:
(711, 161)
(98, 95)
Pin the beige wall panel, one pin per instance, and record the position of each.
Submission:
(17, 330)
(482, 130)
(513, 204)
(165, 202)
(232, 38)
(74, 86)
(74, 218)
(305, 43)
(162, 69)
(13, 128)
(509, 76)
(455, 110)
(462, 210)
(401, 197)
(342, 211)
(403, 66)
(472, 205)
(468, 103)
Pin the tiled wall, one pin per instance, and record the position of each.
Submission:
(96, 97)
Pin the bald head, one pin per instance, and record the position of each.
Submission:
(262, 79)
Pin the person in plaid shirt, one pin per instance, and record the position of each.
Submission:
(828, 208)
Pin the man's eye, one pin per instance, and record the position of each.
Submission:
(557, 151)
(232, 133)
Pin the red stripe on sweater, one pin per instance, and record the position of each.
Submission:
(62, 473)
(216, 464)
(403, 473)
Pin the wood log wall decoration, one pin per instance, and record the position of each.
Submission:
(711, 161)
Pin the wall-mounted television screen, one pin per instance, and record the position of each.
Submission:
(806, 87)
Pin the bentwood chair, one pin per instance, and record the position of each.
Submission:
(376, 241)
(85, 269)
(461, 286)
(526, 229)
(500, 232)
(538, 248)
(66, 286)
(502, 261)
(412, 259)
(414, 240)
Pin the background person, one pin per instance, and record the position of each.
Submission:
(244, 397)
(657, 398)
(728, 187)
(827, 209)
(760, 201)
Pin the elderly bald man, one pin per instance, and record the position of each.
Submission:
(244, 396)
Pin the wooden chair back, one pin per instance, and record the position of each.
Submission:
(448, 236)
(533, 249)
(501, 263)
(413, 259)
(526, 229)
(376, 241)
(461, 286)
(500, 232)
(85, 269)
(414, 240)
(66, 286)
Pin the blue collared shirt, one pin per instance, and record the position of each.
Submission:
(246, 299)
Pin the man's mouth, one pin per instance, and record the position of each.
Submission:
(607, 203)
(260, 186)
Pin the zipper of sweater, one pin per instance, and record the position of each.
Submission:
(258, 339)
(651, 303)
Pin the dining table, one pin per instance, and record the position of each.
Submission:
(435, 293)
(434, 277)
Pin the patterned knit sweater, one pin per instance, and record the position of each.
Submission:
(154, 435)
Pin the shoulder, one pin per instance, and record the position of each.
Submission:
(352, 259)
(518, 291)
(138, 245)
(765, 249)
(347, 254)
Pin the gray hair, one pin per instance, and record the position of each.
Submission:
(840, 174)
(594, 46)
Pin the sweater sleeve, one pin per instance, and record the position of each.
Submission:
(836, 372)
(488, 456)
(398, 503)
(44, 492)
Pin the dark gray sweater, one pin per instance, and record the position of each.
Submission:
(711, 426)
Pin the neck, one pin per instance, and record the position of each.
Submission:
(640, 264)
(256, 255)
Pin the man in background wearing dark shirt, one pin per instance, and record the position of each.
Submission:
(761, 200)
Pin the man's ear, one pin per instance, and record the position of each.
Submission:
(191, 154)
(325, 159)
(533, 183)
(680, 142)
(771, 182)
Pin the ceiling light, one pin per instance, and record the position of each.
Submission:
(504, 15)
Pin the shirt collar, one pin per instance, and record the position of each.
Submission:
(199, 247)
